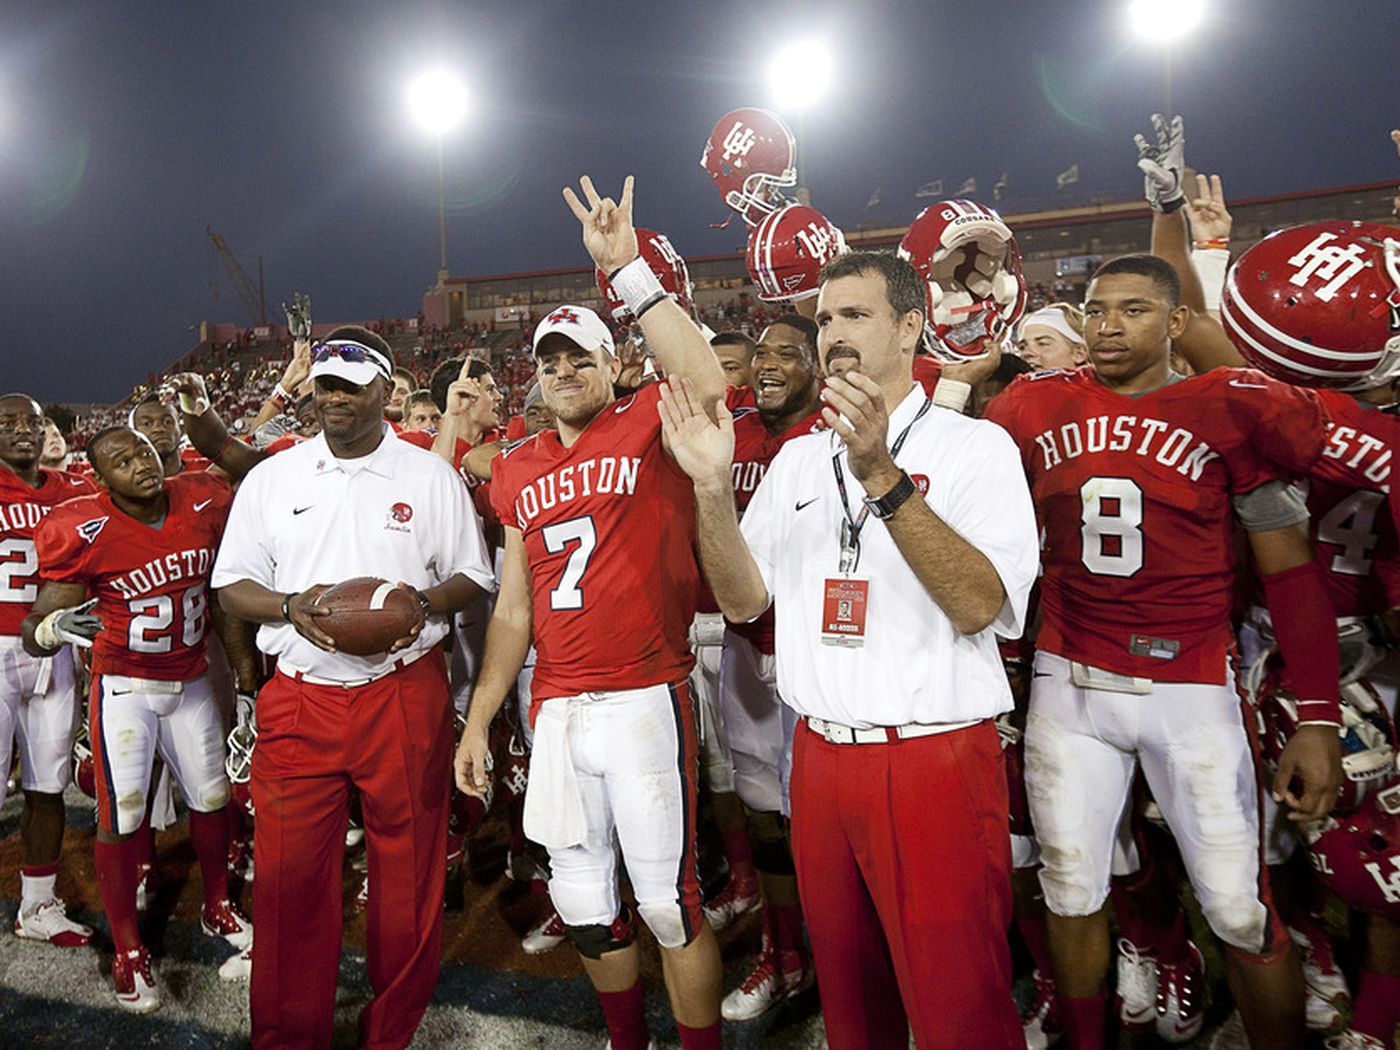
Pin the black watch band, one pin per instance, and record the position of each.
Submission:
(884, 507)
(426, 605)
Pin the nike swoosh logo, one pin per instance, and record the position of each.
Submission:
(808, 503)
(200, 506)
(301, 510)
(1249, 386)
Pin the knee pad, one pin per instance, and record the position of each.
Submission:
(667, 922)
(596, 940)
(771, 852)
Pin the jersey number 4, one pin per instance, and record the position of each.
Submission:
(152, 618)
(1111, 526)
(557, 538)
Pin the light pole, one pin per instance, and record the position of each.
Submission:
(1163, 22)
(798, 78)
(438, 102)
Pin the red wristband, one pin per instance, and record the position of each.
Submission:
(1306, 628)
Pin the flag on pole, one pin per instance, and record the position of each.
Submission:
(930, 189)
(999, 188)
(969, 186)
(874, 198)
(1068, 177)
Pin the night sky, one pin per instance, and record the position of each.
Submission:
(126, 128)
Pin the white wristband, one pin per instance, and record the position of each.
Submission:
(1210, 265)
(46, 633)
(951, 393)
(637, 286)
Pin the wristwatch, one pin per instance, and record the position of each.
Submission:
(425, 604)
(884, 507)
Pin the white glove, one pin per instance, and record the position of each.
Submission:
(74, 625)
(1163, 165)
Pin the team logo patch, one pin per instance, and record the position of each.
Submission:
(401, 512)
(563, 315)
(920, 482)
(89, 530)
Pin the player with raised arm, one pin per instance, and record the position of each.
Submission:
(599, 561)
(39, 706)
(142, 549)
(1138, 475)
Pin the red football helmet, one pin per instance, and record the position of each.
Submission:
(787, 250)
(972, 268)
(84, 770)
(1319, 305)
(1357, 856)
(752, 157)
(1367, 732)
(669, 267)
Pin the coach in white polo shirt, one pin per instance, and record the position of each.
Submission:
(894, 548)
(353, 501)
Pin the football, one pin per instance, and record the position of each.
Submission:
(367, 615)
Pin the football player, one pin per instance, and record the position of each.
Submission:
(160, 423)
(38, 696)
(420, 413)
(142, 550)
(1135, 472)
(600, 561)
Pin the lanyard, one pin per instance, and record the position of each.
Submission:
(850, 525)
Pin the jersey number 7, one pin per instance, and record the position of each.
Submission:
(568, 595)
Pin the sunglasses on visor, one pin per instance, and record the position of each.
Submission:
(347, 350)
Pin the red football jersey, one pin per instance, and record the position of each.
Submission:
(21, 510)
(151, 585)
(1133, 497)
(1352, 529)
(609, 527)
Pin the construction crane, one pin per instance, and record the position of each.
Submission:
(252, 301)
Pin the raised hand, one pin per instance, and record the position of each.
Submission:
(1162, 164)
(855, 409)
(187, 391)
(607, 226)
(1207, 214)
(299, 317)
(463, 392)
(702, 448)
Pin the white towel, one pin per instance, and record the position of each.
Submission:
(554, 814)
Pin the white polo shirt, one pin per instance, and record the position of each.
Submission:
(303, 517)
(915, 666)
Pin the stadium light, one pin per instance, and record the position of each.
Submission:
(437, 101)
(800, 74)
(1163, 21)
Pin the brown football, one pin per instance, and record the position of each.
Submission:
(367, 615)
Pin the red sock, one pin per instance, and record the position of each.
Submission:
(626, 1017)
(209, 837)
(739, 852)
(784, 923)
(1032, 931)
(1377, 1007)
(707, 1038)
(1084, 1022)
(116, 864)
(237, 820)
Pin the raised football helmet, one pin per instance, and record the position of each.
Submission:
(664, 261)
(1357, 855)
(972, 271)
(1319, 305)
(752, 157)
(241, 740)
(787, 250)
(84, 770)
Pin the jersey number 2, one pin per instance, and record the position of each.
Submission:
(1111, 526)
(557, 537)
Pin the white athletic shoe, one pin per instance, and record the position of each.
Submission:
(546, 936)
(1327, 987)
(1137, 986)
(133, 983)
(1351, 1039)
(226, 921)
(238, 967)
(731, 902)
(766, 985)
(1042, 1026)
(50, 922)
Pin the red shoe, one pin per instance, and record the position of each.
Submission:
(734, 900)
(132, 982)
(50, 922)
(1181, 997)
(226, 921)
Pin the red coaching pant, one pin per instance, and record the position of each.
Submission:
(904, 869)
(391, 739)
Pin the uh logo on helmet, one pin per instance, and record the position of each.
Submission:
(752, 158)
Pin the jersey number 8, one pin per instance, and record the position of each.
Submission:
(1111, 526)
